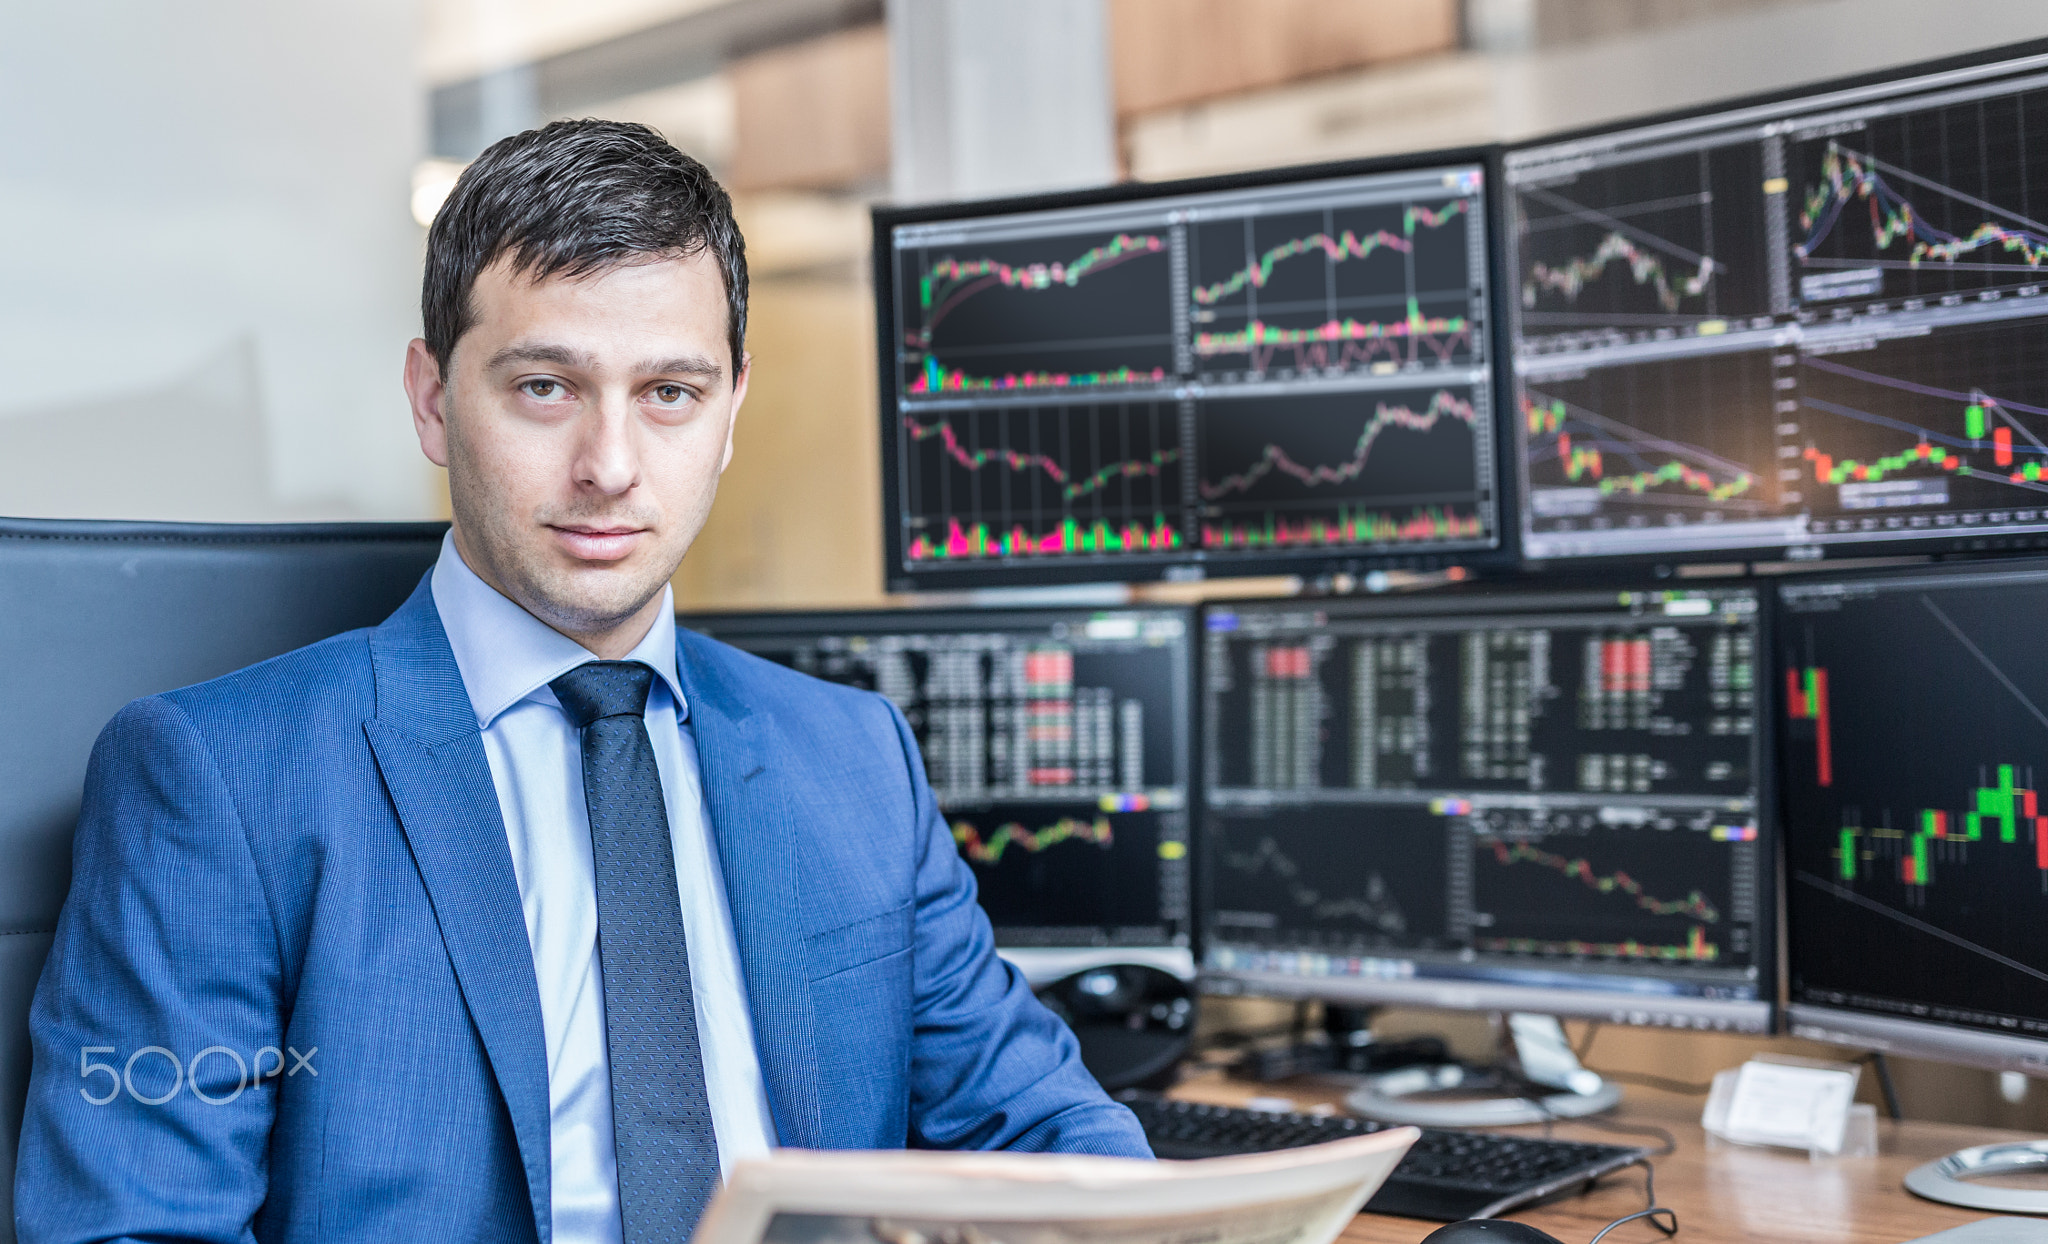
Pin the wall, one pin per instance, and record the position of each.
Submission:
(797, 522)
(1714, 49)
(209, 266)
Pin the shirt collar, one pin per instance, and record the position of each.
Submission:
(506, 655)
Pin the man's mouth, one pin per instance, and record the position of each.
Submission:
(597, 542)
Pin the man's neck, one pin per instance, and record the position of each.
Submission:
(614, 643)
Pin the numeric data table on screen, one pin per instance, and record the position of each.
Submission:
(1294, 370)
(1056, 745)
(1813, 325)
(1525, 800)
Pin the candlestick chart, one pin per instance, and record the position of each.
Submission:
(1666, 242)
(1945, 423)
(1050, 314)
(1670, 443)
(1336, 878)
(1331, 469)
(1041, 481)
(1914, 744)
(1662, 884)
(1335, 291)
(1925, 202)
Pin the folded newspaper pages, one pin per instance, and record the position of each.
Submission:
(1295, 1196)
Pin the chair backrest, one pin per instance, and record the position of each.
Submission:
(93, 615)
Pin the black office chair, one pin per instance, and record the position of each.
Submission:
(94, 614)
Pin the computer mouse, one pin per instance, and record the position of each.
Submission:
(1489, 1231)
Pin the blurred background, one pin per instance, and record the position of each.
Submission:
(213, 214)
(212, 217)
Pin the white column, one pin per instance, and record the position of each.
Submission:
(995, 97)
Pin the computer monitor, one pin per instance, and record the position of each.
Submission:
(1057, 743)
(1281, 373)
(1914, 743)
(1548, 801)
(1788, 328)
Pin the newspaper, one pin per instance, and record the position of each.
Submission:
(1294, 1196)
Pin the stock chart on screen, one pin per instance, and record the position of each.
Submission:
(1914, 748)
(1810, 326)
(1528, 800)
(1056, 744)
(1213, 380)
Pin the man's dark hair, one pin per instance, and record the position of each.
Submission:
(573, 198)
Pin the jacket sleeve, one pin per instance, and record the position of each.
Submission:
(990, 1067)
(163, 987)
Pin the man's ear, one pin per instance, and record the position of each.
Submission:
(428, 395)
(739, 397)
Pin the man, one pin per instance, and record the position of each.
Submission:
(523, 915)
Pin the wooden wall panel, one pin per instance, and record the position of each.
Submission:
(814, 115)
(1167, 53)
(797, 521)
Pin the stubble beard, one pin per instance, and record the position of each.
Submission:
(517, 558)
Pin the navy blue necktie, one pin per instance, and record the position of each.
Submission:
(661, 1118)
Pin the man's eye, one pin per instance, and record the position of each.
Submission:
(670, 394)
(543, 389)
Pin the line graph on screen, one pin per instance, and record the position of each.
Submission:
(1643, 260)
(1902, 234)
(1323, 470)
(1079, 312)
(1590, 449)
(1922, 203)
(1039, 481)
(1331, 292)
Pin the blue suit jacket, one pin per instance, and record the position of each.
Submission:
(308, 856)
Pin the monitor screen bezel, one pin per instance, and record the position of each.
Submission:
(1842, 1025)
(1508, 376)
(899, 575)
(1759, 1016)
(1917, 1039)
(1041, 963)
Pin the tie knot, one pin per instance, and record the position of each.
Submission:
(599, 689)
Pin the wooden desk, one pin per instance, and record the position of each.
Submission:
(1726, 1192)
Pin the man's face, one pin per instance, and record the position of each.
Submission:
(584, 423)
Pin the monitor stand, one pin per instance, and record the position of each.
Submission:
(1536, 1079)
(1949, 1180)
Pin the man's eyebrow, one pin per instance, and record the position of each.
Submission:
(560, 356)
(682, 365)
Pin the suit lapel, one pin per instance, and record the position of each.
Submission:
(432, 758)
(758, 856)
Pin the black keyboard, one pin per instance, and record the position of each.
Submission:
(1446, 1176)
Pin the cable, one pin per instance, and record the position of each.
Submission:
(1651, 1214)
(1665, 1138)
(1688, 1087)
(1650, 1196)
(1537, 1100)
(1585, 1047)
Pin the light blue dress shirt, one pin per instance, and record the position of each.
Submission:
(507, 658)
